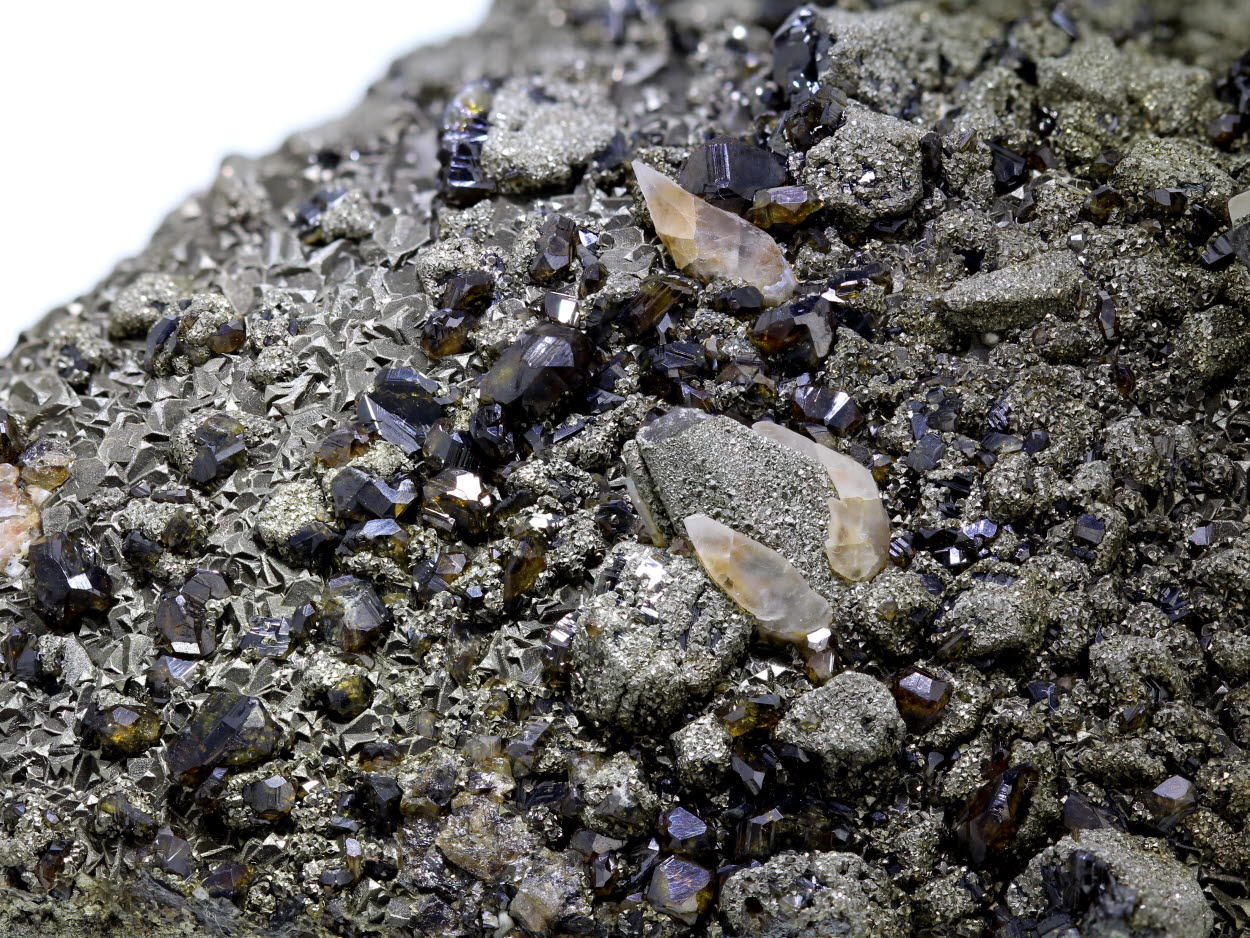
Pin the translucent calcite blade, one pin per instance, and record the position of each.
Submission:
(708, 242)
(859, 527)
(759, 580)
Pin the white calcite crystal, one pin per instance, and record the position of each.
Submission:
(709, 242)
(759, 580)
(859, 526)
(19, 520)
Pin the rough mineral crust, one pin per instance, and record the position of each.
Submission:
(808, 896)
(710, 242)
(655, 634)
(360, 598)
(1159, 894)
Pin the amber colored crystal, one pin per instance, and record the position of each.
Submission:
(227, 730)
(446, 332)
(349, 697)
(524, 566)
(122, 729)
(457, 501)
(988, 822)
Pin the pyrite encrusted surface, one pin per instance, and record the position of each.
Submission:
(450, 526)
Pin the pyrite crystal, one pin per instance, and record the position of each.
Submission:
(452, 525)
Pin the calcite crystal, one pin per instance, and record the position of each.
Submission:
(709, 242)
(859, 526)
(19, 521)
(759, 580)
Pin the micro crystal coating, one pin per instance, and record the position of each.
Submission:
(431, 533)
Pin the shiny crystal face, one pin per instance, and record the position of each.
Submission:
(660, 469)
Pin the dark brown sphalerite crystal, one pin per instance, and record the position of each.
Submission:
(218, 447)
(989, 820)
(270, 799)
(183, 614)
(226, 730)
(400, 408)
(68, 580)
(535, 372)
(348, 697)
(729, 172)
(121, 729)
(350, 614)
(446, 332)
(457, 501)
(796, 336)
(921, 697)
(556, 240)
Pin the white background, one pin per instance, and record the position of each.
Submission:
(114, 111)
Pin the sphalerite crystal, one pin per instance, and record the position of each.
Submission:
(68, 580)
(184, 614)
(534, 374)
(350, 614)
(400, 408)
(121, 729)
(218, 448)
(227, 729)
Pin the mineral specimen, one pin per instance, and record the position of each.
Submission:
(759, 580)
(369, 605)
(710, 242)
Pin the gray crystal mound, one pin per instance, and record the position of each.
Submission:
(348, 587)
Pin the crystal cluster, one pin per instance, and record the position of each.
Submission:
(451, 525)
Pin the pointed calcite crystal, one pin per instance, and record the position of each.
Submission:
(759, 580)
(859, 527)
(709, 242)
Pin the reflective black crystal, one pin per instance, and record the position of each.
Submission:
(350, 614)
(400, 408)
(536, 371)
(219, 447)
(182, 615)
(728, 172)
(68, 580)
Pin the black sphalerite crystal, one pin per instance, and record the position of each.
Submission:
(68, 580)
(535, 372)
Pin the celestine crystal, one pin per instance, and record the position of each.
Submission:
(709, 242)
